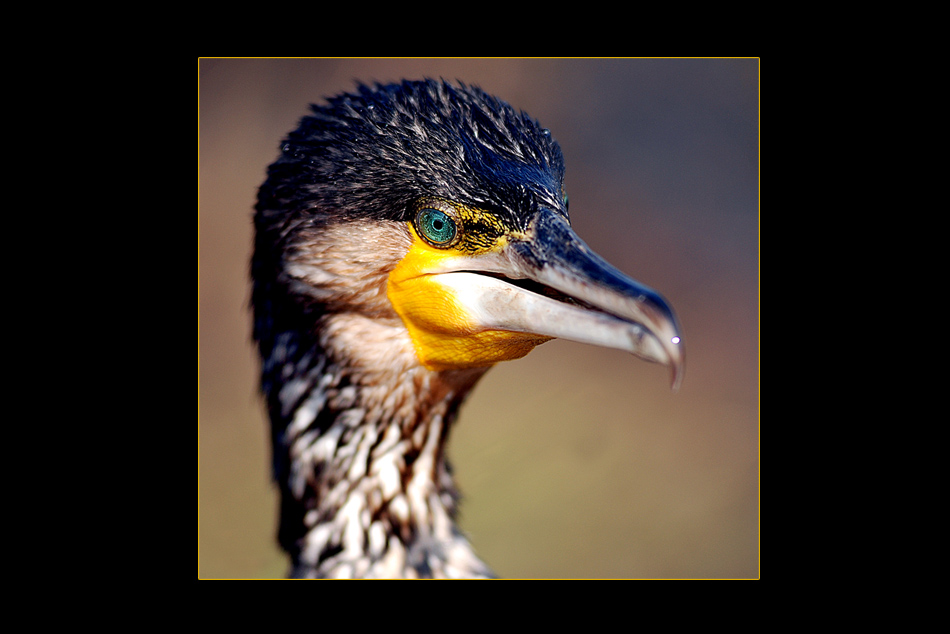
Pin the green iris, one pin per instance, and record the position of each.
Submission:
(435, 226)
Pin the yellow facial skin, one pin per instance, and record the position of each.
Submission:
(444, 335)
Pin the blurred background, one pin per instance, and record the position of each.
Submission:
(574, 461)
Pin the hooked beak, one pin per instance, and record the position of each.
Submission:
(550, 283)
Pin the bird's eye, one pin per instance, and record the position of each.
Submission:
(436, 226)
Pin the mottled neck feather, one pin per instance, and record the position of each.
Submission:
(359, 448)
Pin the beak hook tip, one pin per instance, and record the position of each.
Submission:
(677, 364)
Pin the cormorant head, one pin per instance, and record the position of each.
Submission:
(440, 210)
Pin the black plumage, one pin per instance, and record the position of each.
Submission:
(367, 154)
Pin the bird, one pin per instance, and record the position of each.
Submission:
(408, 237)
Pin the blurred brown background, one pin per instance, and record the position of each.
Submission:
(575, 461)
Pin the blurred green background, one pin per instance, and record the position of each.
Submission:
(574, 461)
